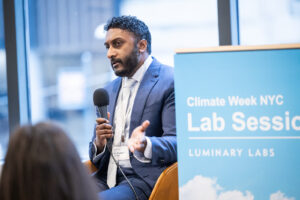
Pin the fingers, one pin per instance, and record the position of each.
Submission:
(142, 128)
(103, 132)
(101, 120)
(131, 147)
(103, 126)
(137, 144)
(145, 125)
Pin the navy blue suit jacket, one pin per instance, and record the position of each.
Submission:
(155, 102)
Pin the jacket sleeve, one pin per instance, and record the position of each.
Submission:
(98, 160)
(164, 148)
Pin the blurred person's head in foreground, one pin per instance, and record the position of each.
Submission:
(42, 163)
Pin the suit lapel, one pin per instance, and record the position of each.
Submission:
(149, 80)
(113, 98)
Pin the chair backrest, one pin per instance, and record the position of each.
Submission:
(166, 187)
(90, 166)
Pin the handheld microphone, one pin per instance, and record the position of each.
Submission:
(101, 101)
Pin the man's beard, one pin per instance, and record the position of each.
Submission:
(129, 63)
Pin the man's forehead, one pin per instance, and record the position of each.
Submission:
(114, 33)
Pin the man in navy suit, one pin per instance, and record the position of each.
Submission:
(142, 115)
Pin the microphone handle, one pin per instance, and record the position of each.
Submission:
(101, 111)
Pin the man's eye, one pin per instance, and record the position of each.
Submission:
(117, 43)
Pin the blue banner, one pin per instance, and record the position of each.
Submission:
(238, 124)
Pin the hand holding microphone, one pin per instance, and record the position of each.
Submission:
(103, 128)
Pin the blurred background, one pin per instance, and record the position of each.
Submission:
(67, 59)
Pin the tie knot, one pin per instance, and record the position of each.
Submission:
(129, 83)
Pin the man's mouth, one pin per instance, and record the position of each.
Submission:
(115, 63)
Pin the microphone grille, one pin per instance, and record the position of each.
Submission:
(101, 97)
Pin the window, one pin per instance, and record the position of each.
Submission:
(67, 63)
(269, 21)
(4, 132)
(176, 24)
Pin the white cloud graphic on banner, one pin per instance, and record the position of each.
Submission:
(235, 195)
(207, 189)
(280, 196)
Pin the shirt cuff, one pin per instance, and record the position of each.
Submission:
(96, 157)
(147, 156)
(148, 149)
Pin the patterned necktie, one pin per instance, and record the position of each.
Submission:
(125, 99)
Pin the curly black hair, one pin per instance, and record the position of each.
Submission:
(133, 25)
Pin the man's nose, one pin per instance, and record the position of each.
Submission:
(111, 53)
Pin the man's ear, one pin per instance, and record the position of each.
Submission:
(142, 45)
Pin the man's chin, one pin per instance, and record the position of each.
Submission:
(119, 70)
(120, 73)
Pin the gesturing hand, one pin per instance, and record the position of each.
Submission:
(138, 140)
